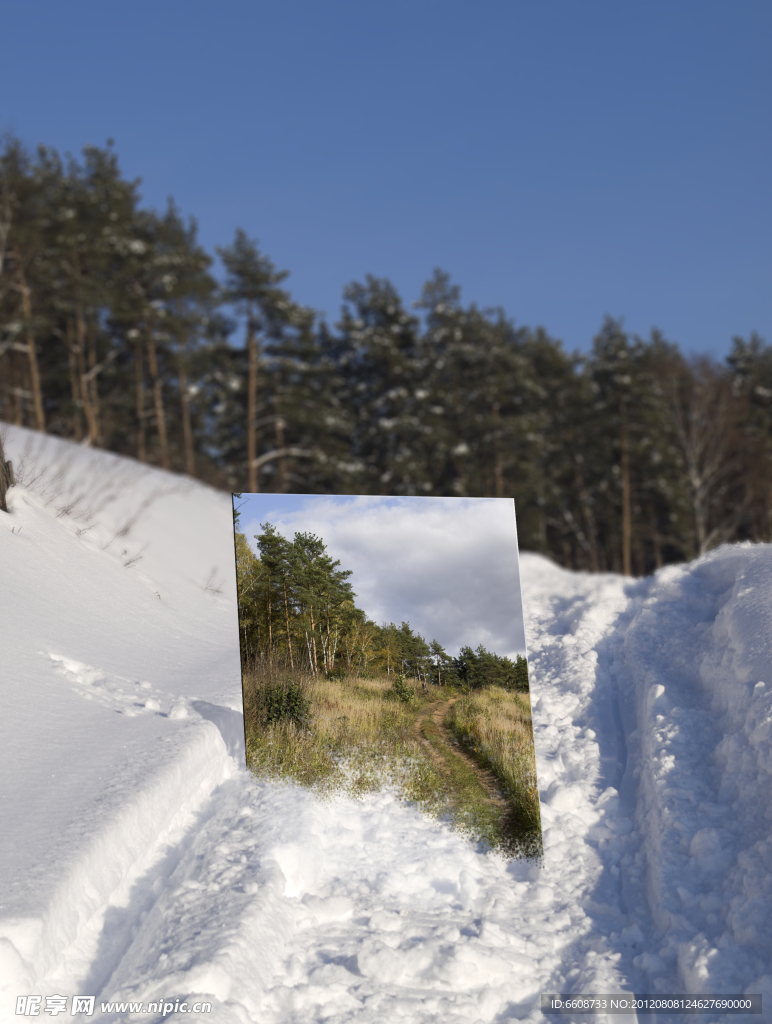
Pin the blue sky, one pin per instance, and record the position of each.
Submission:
(560, 159)
(448, 566)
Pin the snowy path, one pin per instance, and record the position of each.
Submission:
(574, 625)
(366, 911)
(374, 913)
(144, 863)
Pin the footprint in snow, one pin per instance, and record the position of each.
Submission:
(125, 696)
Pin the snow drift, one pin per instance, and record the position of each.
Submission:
(141, 862)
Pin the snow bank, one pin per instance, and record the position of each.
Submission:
(668, 678)
(117, 646)
(698, 657)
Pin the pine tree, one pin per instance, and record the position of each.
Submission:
(185, 293)
(613, 374)
(750, 363)
(22, 244)
(443, 663)
(252, 287)
(478, 668)
(380, 387)
(278, 558)
(521, 674)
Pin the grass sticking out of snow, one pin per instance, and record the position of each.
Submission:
(494, 725)
(357, 737)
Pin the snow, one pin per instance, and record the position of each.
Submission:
(141, 862)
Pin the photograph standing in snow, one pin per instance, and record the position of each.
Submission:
(339, 697)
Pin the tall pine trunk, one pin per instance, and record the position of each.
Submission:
(91, 384)
(252, 410)
(590, 526)
(77, 401)
(89, 411)
(313, 640)
(498, 468)
(286, 613)
(270, 623)
(187, 430)
(327, 649)
(85, 390)
(626, 498)
(655, 539)
(34, 373)
(18, 395)
(158, 401)
(139, 388)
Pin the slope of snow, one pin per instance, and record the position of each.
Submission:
(146, 864)
(109, 670)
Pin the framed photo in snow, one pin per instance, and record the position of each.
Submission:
(383, 647)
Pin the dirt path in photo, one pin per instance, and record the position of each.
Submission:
(438, 711)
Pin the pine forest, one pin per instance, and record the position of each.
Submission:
(118, 330)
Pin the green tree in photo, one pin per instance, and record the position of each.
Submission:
(479, 667)
(521, 674)
(248, 587)
(442, 663)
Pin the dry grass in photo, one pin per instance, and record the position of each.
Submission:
(495, 726)
(355, 734)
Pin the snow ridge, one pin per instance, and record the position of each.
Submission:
(698, 657)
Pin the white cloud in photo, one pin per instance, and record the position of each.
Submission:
(448, 566)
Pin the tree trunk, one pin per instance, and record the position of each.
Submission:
(139, 384)
(498, 468)
(89, 409)
(270, 623)
(6, 219)
(187, 430)
(18, 394)
(588, 515)
(158, 401)
(327, 655)
(313, 640)
(252, 411)
(655, 541)
(286, 613)
(34, 373)
(85, 391)
(310, 653)
(626, 500)
(91, 384)
(6, 478)
(77, 401)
